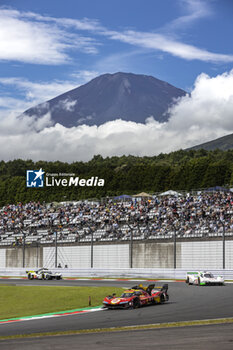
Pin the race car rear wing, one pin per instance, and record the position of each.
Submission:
(164, 288)
(147, 289)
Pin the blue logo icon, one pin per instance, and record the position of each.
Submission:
(35, 178)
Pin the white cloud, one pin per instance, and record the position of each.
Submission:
(202, 116)
(66, 104)
(32, 93)
(27, 37)
(157, 41)
(25, 126)
(84, 76)
(12, 105)
(84, 119)
(29, 94)
(208, 110)
(83, 24)
(33, 38)
(167, 44)
(195, 10)
(38, 92)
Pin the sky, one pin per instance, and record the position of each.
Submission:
(50, 47)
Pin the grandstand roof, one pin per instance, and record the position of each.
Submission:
(143, 194)
(170, 193)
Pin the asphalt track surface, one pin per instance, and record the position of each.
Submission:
(213, 337)
(186, 303)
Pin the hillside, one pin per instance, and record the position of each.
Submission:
(180, 170)
(223, 143)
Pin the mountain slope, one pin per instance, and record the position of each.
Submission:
(224, 143)
(108, 97)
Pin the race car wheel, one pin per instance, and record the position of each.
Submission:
(136, 303)
(130, 304)
(187, 280)
(198, 281)
(29, 276)
(153, 302)
(162, 298)
(58, 278)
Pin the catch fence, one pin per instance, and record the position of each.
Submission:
(172, 251)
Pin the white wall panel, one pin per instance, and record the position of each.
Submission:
(49, 257)
(3, 258)
(111, 256)
(74, 257)
(201, 255)
(229, 254)
(190, 255)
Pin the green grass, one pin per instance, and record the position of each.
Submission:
(17, 301)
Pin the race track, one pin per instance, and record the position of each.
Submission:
(186, 303)
(212, 337)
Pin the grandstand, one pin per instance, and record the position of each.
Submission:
(202, 216)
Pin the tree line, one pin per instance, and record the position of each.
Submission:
(180, 170)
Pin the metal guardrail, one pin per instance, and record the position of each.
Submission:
(119, 273)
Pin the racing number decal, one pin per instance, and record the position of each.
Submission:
(116, 300)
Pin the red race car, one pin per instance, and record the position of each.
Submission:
(137, 296)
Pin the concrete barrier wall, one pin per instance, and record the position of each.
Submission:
(146, 255)
(13, 257)
(189, 255)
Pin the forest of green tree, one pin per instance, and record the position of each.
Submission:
(180, 170)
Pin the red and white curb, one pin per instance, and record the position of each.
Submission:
(52, 315)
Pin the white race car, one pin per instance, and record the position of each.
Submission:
(43, 274)
(203, 278)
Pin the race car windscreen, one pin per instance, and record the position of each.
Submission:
(127, 295)
(208, 275)
(46, 271)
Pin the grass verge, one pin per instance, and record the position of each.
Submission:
(17, 301)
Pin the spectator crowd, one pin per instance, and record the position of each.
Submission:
(143, 218)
